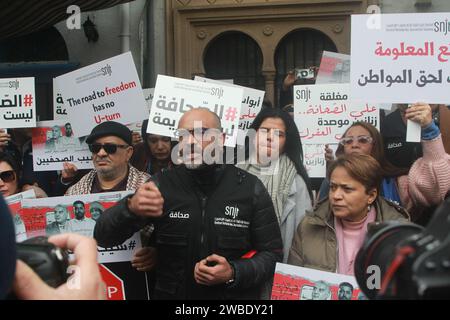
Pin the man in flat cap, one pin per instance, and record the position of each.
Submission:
(111, 146)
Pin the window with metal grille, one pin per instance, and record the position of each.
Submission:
(235, 55)
(300, 49)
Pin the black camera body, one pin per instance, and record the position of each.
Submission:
(47, 260)
(414, 261)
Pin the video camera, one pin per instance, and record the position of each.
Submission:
(405, 260)
(48, 261)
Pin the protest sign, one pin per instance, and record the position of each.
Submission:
(109, 90)
(17, 103)
(323, 112)
(135, 127)
(334, 68)
(59, 108)
(57, 215)
(403, 60)
(77, 214)
(54, 143)
(148, 95)
(251, 105)
(314, 159)
(174, 96)
(297, 283)
(14, 203)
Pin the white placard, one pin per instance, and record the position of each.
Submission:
(314, 159)
(17, 103)
(251, 105)
(59, 108)
(323, 112)
(15, 198)
(38, 215)
(54, 143)
(404, 59)
(174, 96)
(109, 90)
(334, 68)
(148, 95)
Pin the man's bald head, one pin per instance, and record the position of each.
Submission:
(208, 118)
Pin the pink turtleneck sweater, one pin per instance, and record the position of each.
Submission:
(350, 237)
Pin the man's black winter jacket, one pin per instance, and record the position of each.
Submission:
(237, 217)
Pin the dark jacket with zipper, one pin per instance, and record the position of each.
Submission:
(237, 217)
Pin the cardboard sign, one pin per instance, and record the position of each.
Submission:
(404, 58)
(148, 95)
(297, 283)
(109, 90)
(314, 159)
(59, 108)
(251, 106)
(174, 96)
(55, 215)
(17, 103)
(54, 143)
(14, 203)
(334, 68)
(323, 112)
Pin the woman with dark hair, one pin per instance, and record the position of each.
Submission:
(428, 180)
(275, 156)
(329, 238)
(153, 154)
(10, 177)
(10, 184)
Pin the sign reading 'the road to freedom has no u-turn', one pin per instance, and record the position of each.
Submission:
(109, 90)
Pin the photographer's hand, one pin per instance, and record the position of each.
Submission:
(28, 286)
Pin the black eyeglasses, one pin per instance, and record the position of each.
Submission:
(8, 176)
(110, 148)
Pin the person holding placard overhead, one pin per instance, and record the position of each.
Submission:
(427, 181)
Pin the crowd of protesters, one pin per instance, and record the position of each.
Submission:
(215, 230)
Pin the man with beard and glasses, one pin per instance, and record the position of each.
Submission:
(216, 232)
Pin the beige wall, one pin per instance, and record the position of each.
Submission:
(192, 24)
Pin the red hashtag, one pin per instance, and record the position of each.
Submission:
(28, 100)
(230, 114)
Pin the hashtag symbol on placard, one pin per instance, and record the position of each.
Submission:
(131, 245)
(28, 100)
(230, 114)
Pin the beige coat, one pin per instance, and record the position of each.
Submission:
(315, 243)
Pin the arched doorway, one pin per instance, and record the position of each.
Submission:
(235, 55)
(300, 49)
